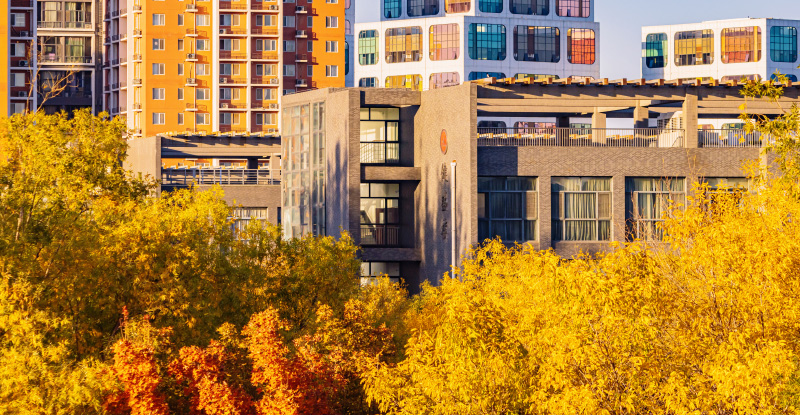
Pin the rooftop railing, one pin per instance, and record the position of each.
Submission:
(731, 138)
(224, 177)
(580, 137)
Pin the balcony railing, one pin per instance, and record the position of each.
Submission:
(61, 58)
(225, 177)
(580, 137)
(380, 152)
(380, 235)
(730, 138)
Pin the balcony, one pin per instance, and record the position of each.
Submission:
(232, 32)
(22, 4)
(223, 177)
(267, 56)
(264, 80)
(191, 32)
(191, 8)
(76, 20)
(226, 5)
(191, 81)
(380, 152)
(63, 58)
(301, 10)
(731, 138)
(300, 83)
(137, 57)
(137, 8)
(137, 81)
(580, 137)
(267, 7)
(264, 30)
(301, 34)
(380, 235)
(191, 57)
(227, 54)
(301, 58)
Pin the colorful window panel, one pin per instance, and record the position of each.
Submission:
(457, 6)
(574, 8)
(443, 80)
(392, 9)
(535, 77)
(404, 44)
(444, 42)
(580, 46)
(487, 42)
(656, 45)
(474, 76)
(694, 47)
(537, 44)
(490, 6)
(783, 44)
(412, 82)
(741, 44)
(537, 7)
(368, 47)
(423, 7)
(368, 83)
(737, 78)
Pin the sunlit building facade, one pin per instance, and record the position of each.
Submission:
(429, 44)
(725, 50)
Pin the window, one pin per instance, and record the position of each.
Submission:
(158, 93)
(202, 119)
(346, 58)
(268, 45)
(202, 20)
(158, 69)
(158, 44)
(422, 7)
(655, 55)
(487, 42)
(229, 20)
(537, 7)
(180, 20)
(180, 44)
(537, 44)
(203, 44)
(17, 49)
(648, 201)
(331, 71)
(783, 44)
(229, 44)
(368, 83)
(18, 19)
(508, 208)
(288, 21)
(289, 70)
(380, 214)
(573, 8)
(412, 82)
(266, 119)
(180, 118)
(380, 137)
(581, 208)
(288, 46)
(370, 271)
(457, 6)
(792, 78)
(331, 46)
(244, 215)
(404, 44)
(368, 47)
(391, 9)
(741, 44)
(490, 6)
(443, 80)
(180, 93)
(158, 118)
(203, 69)
(535, 77)
(694, 47)
(580, 46)
(489, 126)
(158, 19)
(444, 42)
(473, 76)
(331, 22)
(227, 118)
(17, 79)
(228, 94)
(203, 93)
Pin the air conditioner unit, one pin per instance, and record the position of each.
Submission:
(223, 105)
(23, 33)
(223, 80)
(22, 94)
(191, 56)
(223, 31)
(191, 80)
(23, 63)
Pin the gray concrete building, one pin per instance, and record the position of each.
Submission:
(417, 178)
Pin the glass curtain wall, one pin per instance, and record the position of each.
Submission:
(580, 46)
(457, 6)
(490, 6)
(783, 44)
(537, 44)
(694, 47)
(392, 9)
(581, 208)
(741, 44)
(423, 7)
(648, 201)
(412, 82)
(573, 8)
(656, 45)
(473, 76)
(508, 208)
(487, 42)
(404, 44)
(368, 47)
(444, 42)
(443, 80)
(537, 7)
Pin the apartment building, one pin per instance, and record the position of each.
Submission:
(725, 50)
(53, 56)
(314, 44)
(196, 66)
(417, 178)
(429, 44)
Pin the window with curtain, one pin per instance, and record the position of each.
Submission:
(368, 47)
(573, 8)
(537, 44)
(508, 208)
(648, 201)
(537, 7)
(656, 45)
(404, 44)
(720, 188)
(423, 7)
(695, 47)
(581, 208)
(443, 80)
(580, 46)
(392, 9)
(457, 6)
(487, 42)
(783, 43)
(741, 44)
(490, 6)
(76, 49)
(444, 42)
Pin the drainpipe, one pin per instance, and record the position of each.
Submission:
(453, 214)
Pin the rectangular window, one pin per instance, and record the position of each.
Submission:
(202, 119)
(158, 118)
(368, 83)
(380, 214)
(392, 9)
(656, 45)
(203, 69)
(227, 118)
(368, 47)
(380, 136)
(158, 44)
(202, 44)
(158, 69)
(180, 44)
(331, 46)
(180, 20)
(17, 79)
(180, 93)
(203, 93)
(537, 44)
(444, 42)
(487, 42)
(18, 19)
(694, 47)
(508, 208)
(783, 43)
(580, 46)
(158, 19)
(180, 118)
(180, 69)
(332, 22)
(423, 7)
(158, 93)
(648, 202)
(457, 6)
(202, 20)
(573, 8)
(370, 271)
(741, 44)
(288, 70)
(581, 208)
(331, 71)
(404, 44)
(537, 7)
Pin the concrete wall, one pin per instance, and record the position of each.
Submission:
(144, 156)
(253, 196)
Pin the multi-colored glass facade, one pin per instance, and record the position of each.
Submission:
(404, 44)
(368, 47)
(490, 6)
(580, 46)
(487, 42)
(537, 44)
(694, 47)
(741, 44)
(418, 8)
(443, 79)
(537, 7)
(574, 8)
(783, 44)
(444, 42)
(656, 50)
(457, 6)
(473, 76)
(412, 82)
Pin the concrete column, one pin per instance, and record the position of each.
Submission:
(641, 116)
(545, 213)
(690, 120)
(598, 121)
(618, 213)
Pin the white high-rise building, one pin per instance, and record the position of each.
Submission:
(724, 50)
(428, 44)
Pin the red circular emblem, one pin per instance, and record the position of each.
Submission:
(443, 141)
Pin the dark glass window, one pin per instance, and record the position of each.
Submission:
(792, 78)
(380, 214)
(783, 44)
(490, 6)
(656, 45)
(380, 135)
(487, 42)
(537, 7)
(473, 76)
(537, 44)
(368, 83)
(423, 7)
(573, 8)
(392, 9)
(508, 208)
